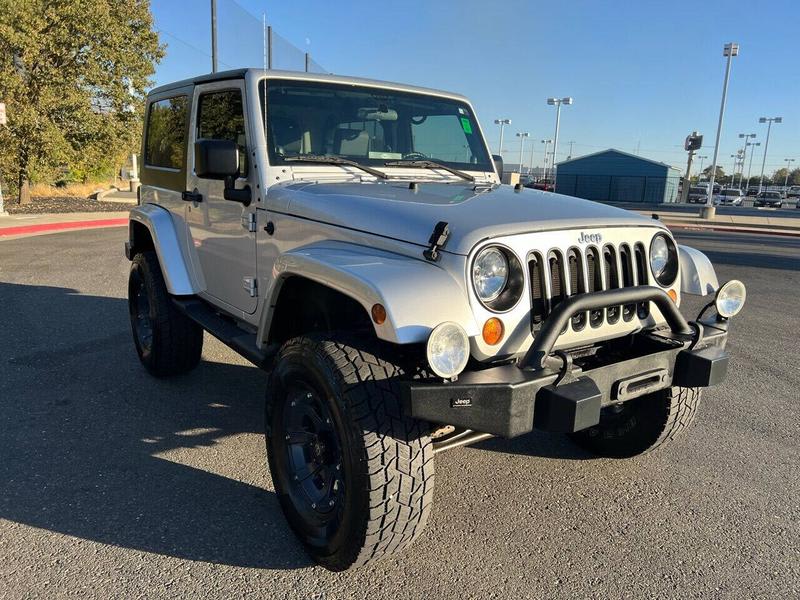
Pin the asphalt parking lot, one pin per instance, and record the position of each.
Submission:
(117, 485)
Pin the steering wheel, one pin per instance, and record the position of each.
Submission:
(416, 156)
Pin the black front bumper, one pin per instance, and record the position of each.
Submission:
(562, 393)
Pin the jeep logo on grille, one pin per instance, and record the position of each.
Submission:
(589, 238)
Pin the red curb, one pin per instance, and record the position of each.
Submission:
(30, 229)
(750, 230)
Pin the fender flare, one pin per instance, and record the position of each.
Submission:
(417, 295)
(162, 228)
(698, 276)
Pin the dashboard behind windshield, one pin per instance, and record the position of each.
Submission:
(369, 125)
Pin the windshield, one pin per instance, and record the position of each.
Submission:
(730, 192)
(370, 125)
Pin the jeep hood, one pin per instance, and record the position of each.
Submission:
(393, 210)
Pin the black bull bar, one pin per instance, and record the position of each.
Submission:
(559, 395)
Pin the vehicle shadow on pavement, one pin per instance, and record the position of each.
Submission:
(93, 447)
(537, 443)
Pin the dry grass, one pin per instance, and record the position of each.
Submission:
(74, 190)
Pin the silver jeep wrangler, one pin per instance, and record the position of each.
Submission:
(352, 238)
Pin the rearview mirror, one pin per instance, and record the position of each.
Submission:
(216, 159)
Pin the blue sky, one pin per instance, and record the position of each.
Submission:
(643, 73)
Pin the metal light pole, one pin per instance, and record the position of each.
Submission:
(785, 180)
(557, 102)
(769, 121)
(708, 211)
(570, 149)
(213, 36)
(746, 137)
(701, 159)
(530, 168)
(502, 123)
(750, 166)
(735, 158)
(546, 143)
(521, 136)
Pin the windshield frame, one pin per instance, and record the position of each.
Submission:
(277, 160)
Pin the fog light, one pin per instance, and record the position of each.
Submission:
(448, 350)
(730, 298)
(493, 331)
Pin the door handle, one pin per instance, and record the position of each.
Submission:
(191, 196)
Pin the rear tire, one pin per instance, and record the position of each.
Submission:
(642, 424)
(354, 476)
(167, 341)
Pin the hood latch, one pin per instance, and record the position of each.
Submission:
(438, 239)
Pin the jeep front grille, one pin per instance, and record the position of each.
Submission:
(567, 273)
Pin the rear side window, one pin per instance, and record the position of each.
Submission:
(220, 116)
(165, 144)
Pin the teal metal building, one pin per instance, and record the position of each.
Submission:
(616, 176)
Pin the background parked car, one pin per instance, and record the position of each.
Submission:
(770, 199)
(793, 192)
(730, 197)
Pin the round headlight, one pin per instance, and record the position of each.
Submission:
(448, 349)
(489, 274)
(663, 259)
(730, 298)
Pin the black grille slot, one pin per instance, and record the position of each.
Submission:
(556, 266)
(576, 284)
(538, 305)
(626, 264)
(612, 280)
(643, 308)
(595, 279)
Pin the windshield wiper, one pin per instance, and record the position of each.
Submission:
(324, 159)
(428, 164)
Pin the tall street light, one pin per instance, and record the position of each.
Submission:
(730, 50)
(770, 121)
(789, 162)
(701, 159)
(750, 166)
(736, 159)
(546, 143)
(557, 102)
(530, 168)
(502, 123)
(746, 137)
(521, 136)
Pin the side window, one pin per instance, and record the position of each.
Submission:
(220, 116)
(165, 138)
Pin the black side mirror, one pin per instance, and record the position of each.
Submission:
(219, 159)
(498, 165)
(216, 159)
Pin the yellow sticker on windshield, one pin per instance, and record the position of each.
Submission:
(466, 125)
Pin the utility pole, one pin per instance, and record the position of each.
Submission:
(708, 211)
(213, 36)
(546, 143)
(530, 168)
(3, 123)
(770, 121)
(570, 149)
(702, 160)
(694, 141)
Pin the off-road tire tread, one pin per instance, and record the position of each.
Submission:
(681, 404)
(177, 340)
(397, 453)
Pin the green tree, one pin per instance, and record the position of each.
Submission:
(779, 176)
(794, 177)
(720, 174)
(73, 75)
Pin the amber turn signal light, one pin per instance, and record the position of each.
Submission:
(378, 314)
(673, 294)
(493, 331)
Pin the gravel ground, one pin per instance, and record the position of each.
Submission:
(114, 484)
(61, 204)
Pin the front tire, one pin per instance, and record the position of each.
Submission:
(642, 424)
(354, 476)
(167, 341)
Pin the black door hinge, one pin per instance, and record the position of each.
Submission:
(438, 239)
